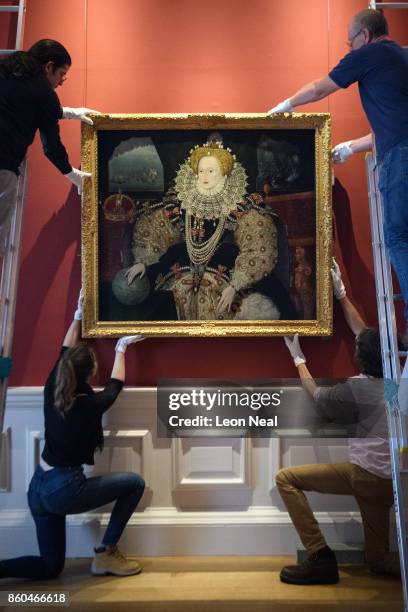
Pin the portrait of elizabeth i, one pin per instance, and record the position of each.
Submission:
(210, 244)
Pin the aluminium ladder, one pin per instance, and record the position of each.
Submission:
(386, 5)
(19, 9)
(10, 265)
(397, 422)
(9, 281)
(391, 365)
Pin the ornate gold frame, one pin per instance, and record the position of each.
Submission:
(322, 326)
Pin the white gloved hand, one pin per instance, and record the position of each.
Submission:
(76, 176)
(79, 113)
(339, 289)
(341, 152)
(293, 346)
(282, 107)
(124, 342)
(78, 312)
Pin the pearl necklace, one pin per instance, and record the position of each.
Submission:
(201, 253)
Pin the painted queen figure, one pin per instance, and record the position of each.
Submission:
(210, 244)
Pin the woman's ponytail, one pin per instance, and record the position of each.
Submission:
(19, 65)
(65, 385)
(74, 368)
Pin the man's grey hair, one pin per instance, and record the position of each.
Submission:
(373, 20)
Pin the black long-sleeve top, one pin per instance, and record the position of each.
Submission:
(27, 105)
(71, 440)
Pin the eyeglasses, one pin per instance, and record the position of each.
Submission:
(351, 40)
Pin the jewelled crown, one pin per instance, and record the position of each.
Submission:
(118, 207)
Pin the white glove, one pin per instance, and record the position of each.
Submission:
(76, 176)
(293, 346)
(282, 107)
(78, 312)
(124, 342)
(341, 152)
(79, 113)
(339, 289)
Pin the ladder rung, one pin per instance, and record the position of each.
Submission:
(9, 9)
(397, 296)
(403, 353)
(4, 51)
(392, 5)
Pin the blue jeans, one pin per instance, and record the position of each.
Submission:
(394, 190)
(55, 493)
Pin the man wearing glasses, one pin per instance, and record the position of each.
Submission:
(380, 67)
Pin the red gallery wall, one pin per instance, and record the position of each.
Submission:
(185, 56)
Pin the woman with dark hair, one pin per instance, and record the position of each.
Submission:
(28, 102)
(73, 430)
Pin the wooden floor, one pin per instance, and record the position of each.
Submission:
(219, 584)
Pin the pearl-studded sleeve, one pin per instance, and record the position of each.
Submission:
(152, 236)
(257, 239)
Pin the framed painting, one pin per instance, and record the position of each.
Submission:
(207, 225)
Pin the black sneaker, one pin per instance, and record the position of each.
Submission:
(319, 568)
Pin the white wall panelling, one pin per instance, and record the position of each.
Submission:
(204, 495)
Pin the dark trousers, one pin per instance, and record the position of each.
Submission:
(393, 185)
(55, 493)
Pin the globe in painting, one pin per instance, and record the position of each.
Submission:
(132, 294)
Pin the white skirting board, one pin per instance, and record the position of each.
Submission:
(207, 496)
(163, 532)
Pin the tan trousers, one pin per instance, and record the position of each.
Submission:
(8, 189)
(374, 496)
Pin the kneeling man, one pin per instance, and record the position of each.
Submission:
(366, 476)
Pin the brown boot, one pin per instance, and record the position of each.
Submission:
(111, 561)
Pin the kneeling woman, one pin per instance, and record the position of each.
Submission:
(73, 430)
